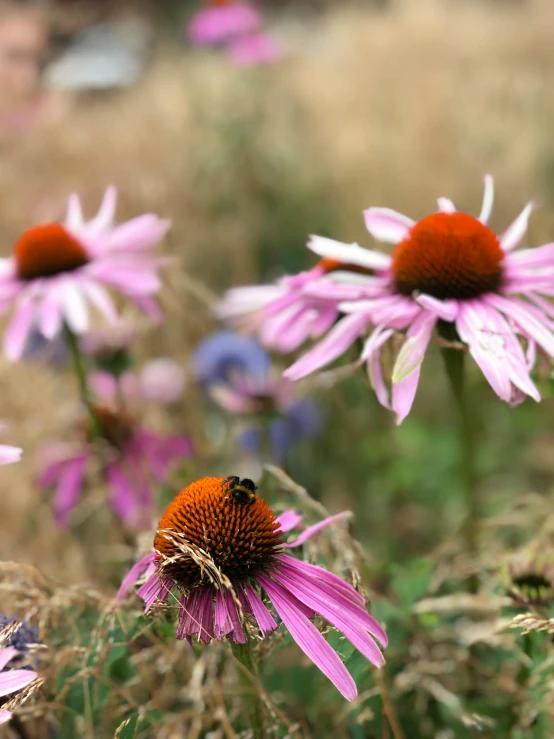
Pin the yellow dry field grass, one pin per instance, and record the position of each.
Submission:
(391, 109)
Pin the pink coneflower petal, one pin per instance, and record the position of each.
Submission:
(405, 376)
(6, 654)
(100, 298)
(446, 205)
(70, 483)
(18, 329)
(14, 680)
(145, 566)
(288, 520)
(264, 619)
(309, 639)
(340, 338)
(523, 318)
(488, 200)
(517, 230)
(9, 454)
(50, 318)
(123, 496)
(348, 253)
(333, 604)
(445, 309)
(316, 528)
(387, 225)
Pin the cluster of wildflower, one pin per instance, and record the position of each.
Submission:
(237, 27)
(236, 373)
(23, 636)
(448, 272)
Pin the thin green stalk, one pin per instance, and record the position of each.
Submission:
(80, 371)
(249, 680)
(454, 360)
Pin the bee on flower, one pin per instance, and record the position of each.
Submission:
(220, 552)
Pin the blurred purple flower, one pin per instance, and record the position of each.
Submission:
(225, 354)
(252, 49)
(160, 381)
(39, 349)
(222, 20)
(235, 372)
(133, 459)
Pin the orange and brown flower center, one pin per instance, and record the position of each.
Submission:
(115, 428)
(45, 251)
(448, 255)
(240, 535)
(333, 265)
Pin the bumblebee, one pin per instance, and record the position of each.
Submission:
(243, 491)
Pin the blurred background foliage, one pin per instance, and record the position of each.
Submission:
(373, 103)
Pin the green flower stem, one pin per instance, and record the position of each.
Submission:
(80, 371)
(454, 360)
(249, 681)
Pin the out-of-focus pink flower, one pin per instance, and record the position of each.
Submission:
(252, 49)
(222, 20)
(12, 681)
(132, 460)
(160, 381)
(107, 341)
(303, 306)
(57, 270)
(9, 454)
(247, 564)
(447, 268)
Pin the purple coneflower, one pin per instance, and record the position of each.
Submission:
(220, 552)
(223, 20)
(132, 458)
(448, 268)
(299, 307)
(57, 269)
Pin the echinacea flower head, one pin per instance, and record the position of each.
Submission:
(220, 551)
(132, 458)
(12, 683)
(447, 268)
(222, 20)
(299, 307)
(58, 269)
